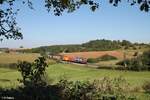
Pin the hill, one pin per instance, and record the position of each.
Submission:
(93, 45)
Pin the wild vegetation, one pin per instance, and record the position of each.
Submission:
(146, 86)
(103, 89)
(139, 63)
(102, 58)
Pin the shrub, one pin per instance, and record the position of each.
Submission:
(107, 58)
(146, 86)
(103, 58)
(30, 93)
(92, 60)
(135, 54)
(126, 47)
(133, 64)
(146, 58)
(104, 89)
(33, 74)
(140, 63)
(123, 62)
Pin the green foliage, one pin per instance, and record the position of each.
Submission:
(126, 43)
(92, 60)
(104, 89)
(133, 64)
(60, 6)
(146, 58)
(8, 24)
(30, 93)
(33, 73)
(43, 53)
(107, 58)
(146, 86)
(103, 58)
(144, 4)
(135, 54)
(137, 64)
(103, 44)
(94, 45)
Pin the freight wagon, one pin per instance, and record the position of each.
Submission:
(74, 59)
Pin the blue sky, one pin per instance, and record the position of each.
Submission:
(41, 28)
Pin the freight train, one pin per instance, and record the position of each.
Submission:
(74, 59)
(66, 58)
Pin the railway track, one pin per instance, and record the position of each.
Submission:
(84, 65)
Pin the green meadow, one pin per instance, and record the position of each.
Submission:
(56, 72)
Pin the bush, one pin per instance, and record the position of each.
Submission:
(103, 58)
(107, 58)
(146, 86)
(133, 64)
(33, 74)
(146, 58)
(92, 60)
(30, 93)
(137, 64)
(135, 54)
(123, 62)
(104, 89)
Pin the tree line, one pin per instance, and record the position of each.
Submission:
(93, 45)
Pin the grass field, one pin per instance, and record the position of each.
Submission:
(14, 57)
(55, 72)
(8, 78)
(74, 72)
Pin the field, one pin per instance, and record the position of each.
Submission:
(14, 57)
(75, 72)
(56, 71)
(95, 54)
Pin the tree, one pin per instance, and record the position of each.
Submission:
(8, 24)
(33, 73)
(21, 46)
